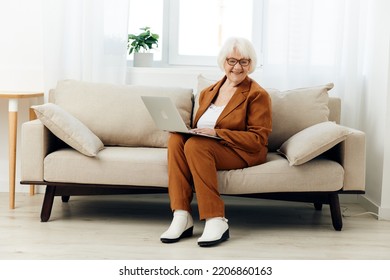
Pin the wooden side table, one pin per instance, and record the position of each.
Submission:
(13, 98)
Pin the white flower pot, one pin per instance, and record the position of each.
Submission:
(143, 59)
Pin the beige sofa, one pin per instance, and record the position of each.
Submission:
(95, 138)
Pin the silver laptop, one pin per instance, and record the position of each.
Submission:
(166, 116)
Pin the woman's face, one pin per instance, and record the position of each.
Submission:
(236, 67)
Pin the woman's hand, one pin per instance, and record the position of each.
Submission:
(208, 131)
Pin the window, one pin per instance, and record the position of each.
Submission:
(294, 32)
(199, 28)
(191, 32)
(141, 14)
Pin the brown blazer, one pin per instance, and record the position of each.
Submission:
(246, 121)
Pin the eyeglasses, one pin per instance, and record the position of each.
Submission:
(243, 62)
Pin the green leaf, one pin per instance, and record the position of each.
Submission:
(145, 40)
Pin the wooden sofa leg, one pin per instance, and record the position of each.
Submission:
(47, 203)
(65, 198)
(335, 211)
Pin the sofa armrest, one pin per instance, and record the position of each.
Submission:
(353, 159)
(36, 143)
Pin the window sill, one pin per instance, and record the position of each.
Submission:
(172, 77)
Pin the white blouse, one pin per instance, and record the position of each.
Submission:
(209, 118)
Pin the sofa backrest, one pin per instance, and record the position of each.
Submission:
(116, 113)
(334, 109)
(293, 110)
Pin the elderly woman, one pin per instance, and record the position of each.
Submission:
(236, 109)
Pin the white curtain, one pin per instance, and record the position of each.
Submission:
(85, 40)
(312, 42)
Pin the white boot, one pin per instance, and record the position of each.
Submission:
(215, 231)
(182, 226)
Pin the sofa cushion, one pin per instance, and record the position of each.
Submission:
(69, 129)
(276, 175)
(292, 110)
(116, 113)
(312, 142)
(135, 166)
(127, 166)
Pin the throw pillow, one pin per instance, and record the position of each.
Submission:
(69, 129)
(295, 110)
(312, 141)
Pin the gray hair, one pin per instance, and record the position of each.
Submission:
(241, 45)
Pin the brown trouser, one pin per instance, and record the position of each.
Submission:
(195, 161)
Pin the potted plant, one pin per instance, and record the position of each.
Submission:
(141, 44)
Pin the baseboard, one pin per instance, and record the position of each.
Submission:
(370, 206)
(384, 214)
(3, 185)
(349, 198)
(4, 188)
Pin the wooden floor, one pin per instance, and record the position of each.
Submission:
(128, 227)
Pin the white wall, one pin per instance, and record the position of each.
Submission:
(21, 66)
(21, 45)
(384, 209)
(377, 110)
